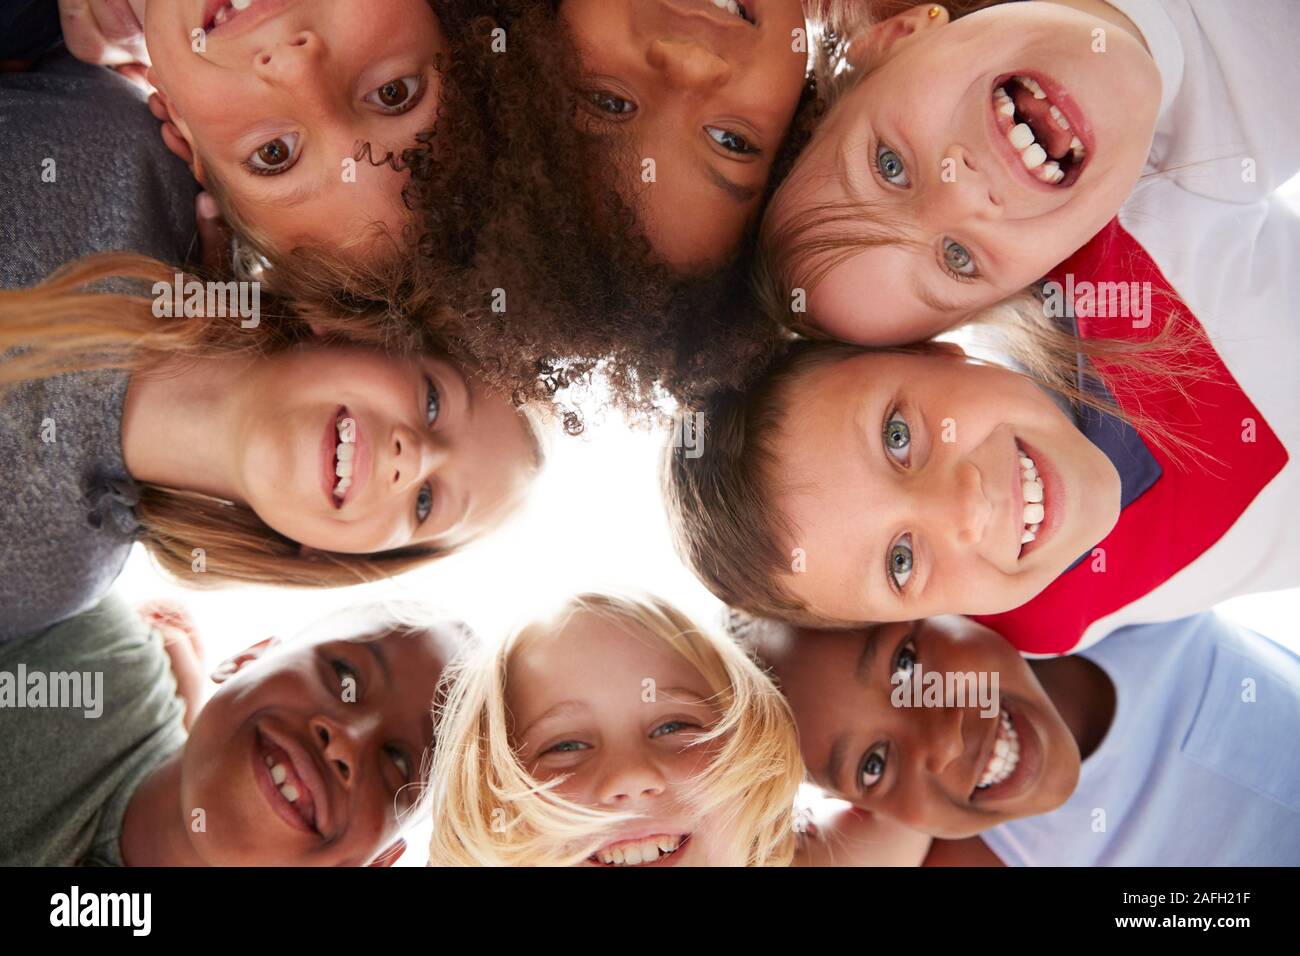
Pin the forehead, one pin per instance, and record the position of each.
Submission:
(593, 659)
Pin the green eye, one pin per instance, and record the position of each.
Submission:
(898, 437)
(958, 258)
(900, 562)
(890, 166)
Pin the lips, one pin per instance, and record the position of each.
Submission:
(654, 849)
(344, 458)
(1053, 494)
(290, 782)
(1011, 759)
(1040, 130)
(224, 18)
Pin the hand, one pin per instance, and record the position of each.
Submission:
(103, 32)
(184, 650)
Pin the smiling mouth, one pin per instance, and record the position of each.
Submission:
(1005, 756)
(735, 8)
(345, 451)
(642, 852)
(1034, 505)
(227, 13)
(286, 783)
(1038, 132)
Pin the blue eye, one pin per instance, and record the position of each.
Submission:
(890, 166)
(731, 142)
(423, 503)
(900, 562)
(898, 438)
(566, 747)
(669, 727)
(873, 767)
(432, 403)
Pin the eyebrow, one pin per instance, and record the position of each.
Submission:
(834, 762)
(868, 656)
(554, 711)
(741, 195)
(381, 659)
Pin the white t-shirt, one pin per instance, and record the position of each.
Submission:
(1199, 767)
(1229, 70)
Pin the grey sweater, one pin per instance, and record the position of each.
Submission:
(65, 521)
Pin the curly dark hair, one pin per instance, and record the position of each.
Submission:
(526, 258)
(514, 200)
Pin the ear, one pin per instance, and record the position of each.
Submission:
(882, 41)
(233, 665)
(392, 853)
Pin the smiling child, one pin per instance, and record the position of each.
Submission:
(310, 753)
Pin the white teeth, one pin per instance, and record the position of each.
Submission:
(241, 4)
(289, 792)
(1033, 157)
(343, 469)
(1076, 149)
(1003, 103)
(1005, 756)
(1059, 118)
(270, 761)
(639, 853)
(1021, 135)
(1032, 86)
(278, 774)
(1031, 488)
(1050, 172)
(345, 453)
(731, 6)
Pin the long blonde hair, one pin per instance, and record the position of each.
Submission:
(93, 314)
(489, 811)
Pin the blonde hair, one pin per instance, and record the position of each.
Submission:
(64, 325)
(488, 810)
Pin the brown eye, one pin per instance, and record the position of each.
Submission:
(394, 94)
(397, 96)
(274, 156)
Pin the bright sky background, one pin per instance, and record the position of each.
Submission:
(595, 520)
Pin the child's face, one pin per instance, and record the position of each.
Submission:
(922, 766)
(615, 710)
(436, 458)
(704, 93)
(344, 715)
(921, 139)
(285, 92)
(903, 480)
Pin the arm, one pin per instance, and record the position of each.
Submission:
(837, 834)
(184, 649)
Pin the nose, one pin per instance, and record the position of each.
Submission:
(412, 457)
(944, 742)
(962, 192)
(342, 742)
(968, 509)
(629, 777)
(688, 65)
(291, 61)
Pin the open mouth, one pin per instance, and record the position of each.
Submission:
(292, 798)
(735, 8)
(1039, 131)
(1005, 755)
(225, 13)
(644, 851)
(345, 450)
(1032, 499)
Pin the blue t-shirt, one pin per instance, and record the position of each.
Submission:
(1200, 766)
